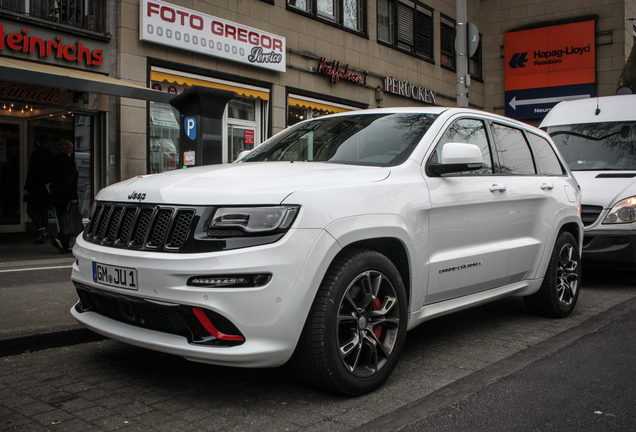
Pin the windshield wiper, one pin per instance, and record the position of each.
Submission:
(580, 135)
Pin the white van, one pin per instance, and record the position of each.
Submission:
(597, 138)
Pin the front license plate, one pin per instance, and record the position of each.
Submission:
(121, 277)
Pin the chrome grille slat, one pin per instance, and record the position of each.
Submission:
(159, 228)
(114, 224)
(180, 229)
(103, 222)
(91, 227)
(140, 226)
(589, 213)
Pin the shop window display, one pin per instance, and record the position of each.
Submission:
(297, 114)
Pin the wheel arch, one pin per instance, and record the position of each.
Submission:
(574, 229)
(393, 249)
(570, 224)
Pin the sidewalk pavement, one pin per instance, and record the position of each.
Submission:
(36, 294)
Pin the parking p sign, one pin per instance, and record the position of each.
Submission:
(190, 126)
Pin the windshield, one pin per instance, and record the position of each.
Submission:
(357, 139)
(597, 146)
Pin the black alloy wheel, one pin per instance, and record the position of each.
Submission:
(356, 328)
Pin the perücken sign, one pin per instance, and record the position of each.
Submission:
(178, 27)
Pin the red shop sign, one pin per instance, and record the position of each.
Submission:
(249, 136)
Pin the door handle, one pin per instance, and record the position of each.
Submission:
(546, 186)
(498, 188)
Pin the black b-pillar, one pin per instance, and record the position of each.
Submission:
(201, 124)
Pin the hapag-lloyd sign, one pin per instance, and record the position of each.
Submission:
(178, 27)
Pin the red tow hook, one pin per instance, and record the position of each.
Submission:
(207, 324)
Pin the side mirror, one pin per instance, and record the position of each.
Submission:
(456, 157)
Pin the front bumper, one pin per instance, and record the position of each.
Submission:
(610, 248)
(270, 318)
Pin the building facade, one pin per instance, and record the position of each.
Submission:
(101, 72)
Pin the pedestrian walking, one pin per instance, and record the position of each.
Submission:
(36, 194)
(64, 177)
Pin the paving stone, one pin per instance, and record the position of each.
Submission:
(153, 418)
(93, 413)
(33, 408)
(111, 423)
(217, 423)
(94, 394)
(176, 425)
(16, 401)
(132, 409)
(12, 420)
(52, 417)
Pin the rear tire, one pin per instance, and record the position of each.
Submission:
(356, 328)
(560, 288)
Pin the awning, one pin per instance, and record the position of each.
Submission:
(305, 102)
(77, 80)
(187, 79)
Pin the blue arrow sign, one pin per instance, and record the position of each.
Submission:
(536, 103)
(518, 60)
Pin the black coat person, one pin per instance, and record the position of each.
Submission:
(64, 177)
(36, 194)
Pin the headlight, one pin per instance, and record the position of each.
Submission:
(240, 221)
(623, 212)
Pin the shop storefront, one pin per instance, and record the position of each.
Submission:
(53, 86)
(300, 107)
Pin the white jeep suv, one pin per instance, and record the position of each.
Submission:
(329, 241)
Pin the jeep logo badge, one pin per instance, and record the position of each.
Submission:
(137, 196)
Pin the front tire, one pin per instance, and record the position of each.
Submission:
(356, 327)
(560, 288)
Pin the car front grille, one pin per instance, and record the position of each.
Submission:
(141, 226)
(589, 214)
(174, 319)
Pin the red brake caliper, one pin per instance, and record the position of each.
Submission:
(377, 330)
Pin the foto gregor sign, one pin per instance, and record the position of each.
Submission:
(178, 27)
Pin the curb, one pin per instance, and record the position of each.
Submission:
(42, 341)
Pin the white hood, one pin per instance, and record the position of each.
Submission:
(238, 184)
(605, 191)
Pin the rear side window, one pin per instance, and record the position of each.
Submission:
(544, 155)
(512, 149)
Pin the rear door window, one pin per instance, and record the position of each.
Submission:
(514, 154)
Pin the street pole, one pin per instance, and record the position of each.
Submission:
(462, 54)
